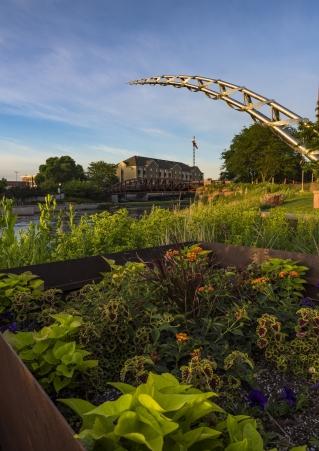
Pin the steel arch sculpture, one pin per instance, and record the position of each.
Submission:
(278, 118)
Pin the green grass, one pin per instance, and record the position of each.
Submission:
(299, 204)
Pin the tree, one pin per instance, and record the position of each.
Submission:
(58, 170)
(308, 133)
(102, 174)
(3, 184)
(257, 153)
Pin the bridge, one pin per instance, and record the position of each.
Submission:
(261, 109)
(158, 185)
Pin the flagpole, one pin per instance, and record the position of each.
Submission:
(195, 146)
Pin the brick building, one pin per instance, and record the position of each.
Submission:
(153, 169)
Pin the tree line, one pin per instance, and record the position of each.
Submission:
(63, 174)
(256, 154)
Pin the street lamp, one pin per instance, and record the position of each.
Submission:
(59, 190)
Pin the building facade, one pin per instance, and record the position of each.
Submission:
(154, 169)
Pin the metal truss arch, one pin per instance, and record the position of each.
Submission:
(273, 115)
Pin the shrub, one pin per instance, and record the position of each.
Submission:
(163, 414)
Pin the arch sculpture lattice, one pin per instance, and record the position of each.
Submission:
(262, 110)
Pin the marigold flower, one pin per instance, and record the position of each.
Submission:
(259, 281)
(205, 289)
(191, 256)
(182, 337)
(294, 274)
(171, 253)
(283, 274)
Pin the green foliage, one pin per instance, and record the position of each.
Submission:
(58, 170)
(83, 189)
(163, 414)
(229, 221)
(50, 354)
(13, 284)
(102, 174)
(182, 275)
(257, 153)
(3, 184)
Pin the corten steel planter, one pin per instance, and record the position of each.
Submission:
(29, 420)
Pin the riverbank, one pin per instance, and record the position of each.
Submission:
(33, 210)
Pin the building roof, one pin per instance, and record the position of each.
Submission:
(163, 164)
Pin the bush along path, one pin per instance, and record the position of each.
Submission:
(205, 358)
(235, 220)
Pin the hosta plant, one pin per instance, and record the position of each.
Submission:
(163, 414)
(49, 353)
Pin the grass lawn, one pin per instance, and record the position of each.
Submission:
(302, 203)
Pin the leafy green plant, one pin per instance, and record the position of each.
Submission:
(50, 354)
(163, 414)
(12, 284)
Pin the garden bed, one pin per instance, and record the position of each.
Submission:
(237, 321)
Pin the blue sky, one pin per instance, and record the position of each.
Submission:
(64, 68)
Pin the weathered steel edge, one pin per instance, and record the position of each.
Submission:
(29, 420)
(70, 275)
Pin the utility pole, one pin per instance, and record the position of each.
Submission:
(195, 146)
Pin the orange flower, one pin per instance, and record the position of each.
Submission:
(182, 337)
(294, 274)
(171, 253)
(259, 281)
(191, 256)
(283, 274)
(205, 289)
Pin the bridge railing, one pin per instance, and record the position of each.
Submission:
(155, 185)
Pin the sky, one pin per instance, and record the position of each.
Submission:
(65, 67)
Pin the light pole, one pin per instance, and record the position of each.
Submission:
(59, 190)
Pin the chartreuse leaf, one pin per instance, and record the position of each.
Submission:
(128, 425)
(20, 340)
(80, 407)
(299, 448)
(156, 420)
(123, 388)
(255, 442)
(196, 435)
(150, 403)
(61, 348)
(113, 408)
(238, 446)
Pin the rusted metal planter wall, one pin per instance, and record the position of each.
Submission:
(29, 420)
